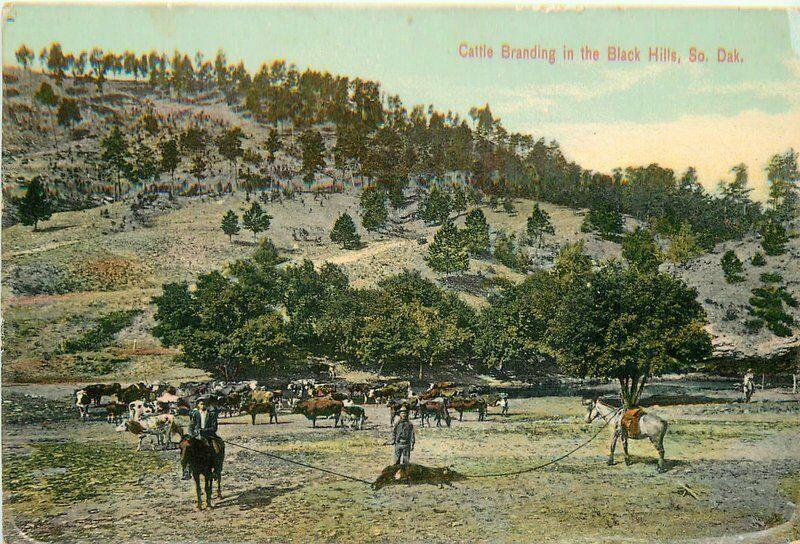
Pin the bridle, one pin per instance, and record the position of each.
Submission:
(594, 413)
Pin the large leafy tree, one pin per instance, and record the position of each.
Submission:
(35, 205)
(621, 324)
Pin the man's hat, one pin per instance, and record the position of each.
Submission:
(403, 410)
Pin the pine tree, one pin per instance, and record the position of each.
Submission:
(539, 224)
(229, 146)
(459, 199)
(732, 267)
(373, 209)
(773, 237)
(447, 253)
(230, 224)
(49, 99)
(24, 56)
(344, 232)
(766, 306)
(170, 157)
(68, 113)
(476, 233)
(683, 246)
(273, 145)
(508, 206)
(639, 248)
(256, 220)
(313, 148)
(34, 206)
(758, 259)
(115, 155)
(436, 207)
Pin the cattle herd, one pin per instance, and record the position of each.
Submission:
(149, 410)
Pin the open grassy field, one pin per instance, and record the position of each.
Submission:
(71, 482)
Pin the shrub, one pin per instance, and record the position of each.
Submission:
(732, 267)
(683, 246)
(507, 252)
(758, 259)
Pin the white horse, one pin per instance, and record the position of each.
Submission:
(650, 426)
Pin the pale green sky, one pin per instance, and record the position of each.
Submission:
(604, 114)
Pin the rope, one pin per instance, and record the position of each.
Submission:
(494, 475)
(355, 479)
(552, 461)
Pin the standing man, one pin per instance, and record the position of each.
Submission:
(403, 439)
(749, 384)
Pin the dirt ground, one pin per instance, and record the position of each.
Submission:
(69, 481)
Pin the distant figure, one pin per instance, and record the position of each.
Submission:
(749, 384)
(503, 406)
(403, 439)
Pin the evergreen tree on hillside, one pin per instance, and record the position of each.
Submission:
(170, 156)
(447, 253)
(459, 199)
(256, 219)
(605, 218)
(229, 146)
(230, 224)
(116, 155)
(436, 207)
(683, 245)
(24, 56)
(773, 237)
(538, 224)
(68, 113)
(313, 148)
(144, 165)
(732, 267)
(639, 248)
(758, 259)
(373, 209)
(476, 233)
(784, 175)
(508, 206)
(344, 232)
(767, 306)
(273, 145)
(35, 205)
(49, 99)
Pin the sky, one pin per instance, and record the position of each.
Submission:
(605, 114)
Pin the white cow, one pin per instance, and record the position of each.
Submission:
(161, 427)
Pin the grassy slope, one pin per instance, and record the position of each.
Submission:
(109, 265)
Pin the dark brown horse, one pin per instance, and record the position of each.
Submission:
(200, 458)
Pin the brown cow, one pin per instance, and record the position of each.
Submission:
(321, 407)
(96, 391)
(254, 408)
(469, 404)
(115, 411)
(436, 409)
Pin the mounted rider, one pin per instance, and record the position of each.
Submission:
(203, 422)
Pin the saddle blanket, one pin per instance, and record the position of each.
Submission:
(630, 421)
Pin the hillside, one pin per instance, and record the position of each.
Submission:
(114, 255)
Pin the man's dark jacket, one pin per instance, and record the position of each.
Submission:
(210, 429)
